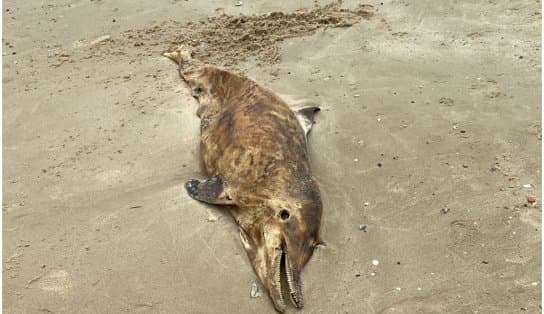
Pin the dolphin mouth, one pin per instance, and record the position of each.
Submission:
(294, 286)
(285, 284)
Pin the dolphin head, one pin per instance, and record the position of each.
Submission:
(280, 241)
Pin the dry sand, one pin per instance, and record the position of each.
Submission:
(426, 105)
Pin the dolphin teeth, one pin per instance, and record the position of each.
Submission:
(295, 297)
(277, 278)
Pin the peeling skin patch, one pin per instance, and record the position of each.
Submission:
(57, 281)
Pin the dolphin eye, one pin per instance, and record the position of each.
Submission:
(284, 214)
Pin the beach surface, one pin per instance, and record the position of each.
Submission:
(429, 139)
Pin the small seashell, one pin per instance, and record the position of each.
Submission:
(255, 291)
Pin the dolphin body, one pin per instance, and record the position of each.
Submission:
(255, 153)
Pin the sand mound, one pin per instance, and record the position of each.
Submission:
(226, 40)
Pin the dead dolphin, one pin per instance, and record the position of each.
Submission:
(255, 153)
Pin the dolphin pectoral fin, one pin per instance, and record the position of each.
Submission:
(305, 117)
(210, 191)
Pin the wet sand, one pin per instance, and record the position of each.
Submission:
(425, 106)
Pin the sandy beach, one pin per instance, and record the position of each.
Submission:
(429, 136)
